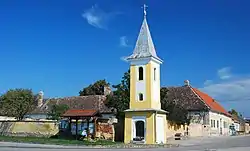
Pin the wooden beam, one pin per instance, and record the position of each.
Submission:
(76, 128)
(87, 127)
(70, 125)
(95, 127)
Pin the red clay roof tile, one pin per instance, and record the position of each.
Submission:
(80, 113)
(210, 102)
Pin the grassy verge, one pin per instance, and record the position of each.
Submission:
(103, 143)
(53, 141)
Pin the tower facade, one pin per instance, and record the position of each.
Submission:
(145, 115)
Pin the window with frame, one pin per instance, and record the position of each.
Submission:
(140, 73)
(154, 73)
(217, 124)
(213, 123)
(140, 97)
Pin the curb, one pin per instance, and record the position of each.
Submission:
(50, 146)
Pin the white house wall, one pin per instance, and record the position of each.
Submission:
(220, 118)
(237, 126)
(201, 124)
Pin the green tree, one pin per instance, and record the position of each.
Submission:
(17, 102)
(94, 89)
(119, 99)
(177, 114)
(56, 111)
(233, 112)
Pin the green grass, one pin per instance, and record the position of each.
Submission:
(54, 141)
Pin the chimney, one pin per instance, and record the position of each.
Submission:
(40, 99)
(186, 83)
(107, 90)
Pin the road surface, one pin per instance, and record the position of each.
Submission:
(234, 143)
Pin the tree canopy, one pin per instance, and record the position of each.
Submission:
(56, 111)
(119, 99)
(17, 103)
(177, 114)
(94, 89)
(233, 112)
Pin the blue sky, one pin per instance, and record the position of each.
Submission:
(62, 46)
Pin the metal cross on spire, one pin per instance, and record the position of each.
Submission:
(144, 10)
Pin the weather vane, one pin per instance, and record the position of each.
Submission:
(144, 10)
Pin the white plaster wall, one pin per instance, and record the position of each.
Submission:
(197, 130)
(247, 128)
(140, 85)
(236, 126)
(160, 128)
(221, 118)
(192, 130)
(6, 118)
(155, 92)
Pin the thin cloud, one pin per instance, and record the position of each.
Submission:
(235, 90)
(231, 93)
(208, 82)
(124, 41)
(224, 73)
(124, 58)
(97, 17)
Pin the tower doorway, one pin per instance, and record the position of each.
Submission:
(139, 129)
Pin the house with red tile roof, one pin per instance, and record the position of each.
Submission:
(207, 116)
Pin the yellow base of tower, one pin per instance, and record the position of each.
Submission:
(154, 124)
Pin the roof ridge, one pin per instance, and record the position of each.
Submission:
(74, 97)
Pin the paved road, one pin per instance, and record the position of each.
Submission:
(236, 143)
(232, 143)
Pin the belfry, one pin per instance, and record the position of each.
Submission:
(145, 121)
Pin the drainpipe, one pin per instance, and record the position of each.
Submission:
(155, 126)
